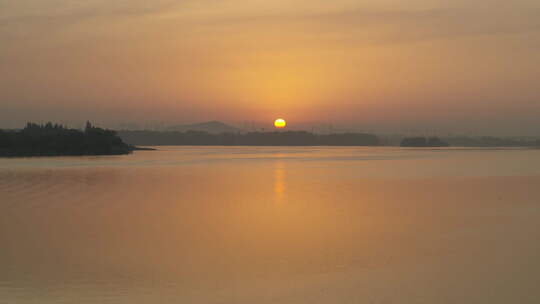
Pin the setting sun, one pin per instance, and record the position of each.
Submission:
(280, 123)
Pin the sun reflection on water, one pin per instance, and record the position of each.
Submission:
(279, 181)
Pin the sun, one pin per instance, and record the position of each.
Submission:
(280, 123)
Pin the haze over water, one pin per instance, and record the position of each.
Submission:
(391, 66)
(272, 225)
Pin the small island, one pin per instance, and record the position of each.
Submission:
(57, 140)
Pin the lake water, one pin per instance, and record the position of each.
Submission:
(272, 225)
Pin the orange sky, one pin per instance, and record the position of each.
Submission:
(374, 63)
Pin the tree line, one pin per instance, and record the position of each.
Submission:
(423, 142)
(288, 138)
(53, 139)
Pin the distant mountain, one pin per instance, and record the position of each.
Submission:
(212, 127)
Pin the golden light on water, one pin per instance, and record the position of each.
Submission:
(279, 182)
(280, 123)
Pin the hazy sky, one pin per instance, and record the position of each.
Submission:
(455, 65)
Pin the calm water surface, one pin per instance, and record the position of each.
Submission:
(272, 225)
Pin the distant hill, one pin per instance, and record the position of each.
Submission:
(212, 127)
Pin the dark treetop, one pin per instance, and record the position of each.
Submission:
(55, 140)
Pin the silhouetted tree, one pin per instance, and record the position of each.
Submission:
(88, 127)
(49, 139)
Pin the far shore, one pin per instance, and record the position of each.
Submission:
(135, 148)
